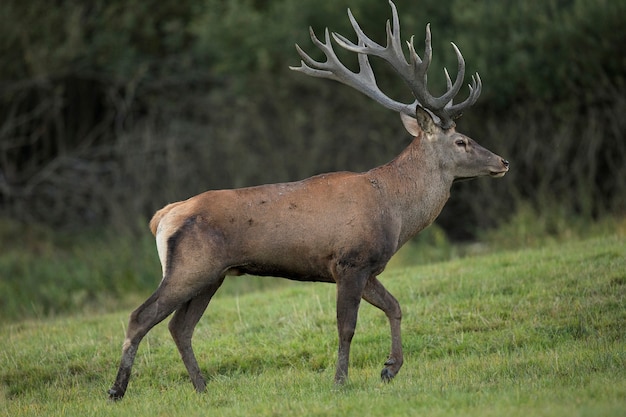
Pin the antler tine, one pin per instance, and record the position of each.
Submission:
(456, 110)
(392, 52)
(453, 89)
(309, 66)
(421, 65)
(393, 35)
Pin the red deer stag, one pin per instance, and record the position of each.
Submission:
(340, 227)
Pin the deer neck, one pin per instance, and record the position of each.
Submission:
(416, 186)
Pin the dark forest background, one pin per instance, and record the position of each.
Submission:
(111, 109)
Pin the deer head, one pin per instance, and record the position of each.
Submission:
(428, 117)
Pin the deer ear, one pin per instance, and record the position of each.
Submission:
(425, 120)
(410, 124)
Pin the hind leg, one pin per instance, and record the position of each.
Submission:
(154, 310)
(182, 326)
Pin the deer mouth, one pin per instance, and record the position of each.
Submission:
(459, 179)
(501, 172)
(497, 174)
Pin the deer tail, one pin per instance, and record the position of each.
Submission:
(156, 219)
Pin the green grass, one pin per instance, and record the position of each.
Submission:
(538, 332)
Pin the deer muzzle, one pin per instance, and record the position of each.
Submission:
(501, 172)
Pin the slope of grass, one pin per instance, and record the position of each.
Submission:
(537, 332)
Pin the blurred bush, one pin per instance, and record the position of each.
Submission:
(110, 109)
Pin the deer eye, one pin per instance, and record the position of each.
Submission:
(460, 142)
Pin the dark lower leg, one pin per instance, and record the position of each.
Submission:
(378, 296)
(118, 389)
(150, 313)
(348, 301)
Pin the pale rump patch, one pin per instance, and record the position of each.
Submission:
(164, 231)
(161, 244)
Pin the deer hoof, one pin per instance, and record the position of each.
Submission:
(115, 394)
(387, 375)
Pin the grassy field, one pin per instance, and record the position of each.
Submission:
(536, 332)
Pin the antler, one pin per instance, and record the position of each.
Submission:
(414, 73)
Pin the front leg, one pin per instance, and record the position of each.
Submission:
(377, 295)
(349, 292)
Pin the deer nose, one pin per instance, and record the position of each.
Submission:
(505, 163)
